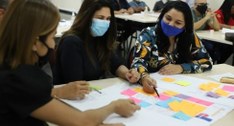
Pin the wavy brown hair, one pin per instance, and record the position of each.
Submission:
(23, 23)
(81, 27)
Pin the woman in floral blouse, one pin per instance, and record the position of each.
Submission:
(171, 47)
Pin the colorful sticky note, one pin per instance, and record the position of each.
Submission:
(205, 87)
(165, 103)
(182, 96)
(128, 92)
(170, 93)
(228, 88)
(168, 79)
(136, 101)
(221, 92)
(144, 104)
(140, 90)
(181, 116)
(206, 103)
(212, 95)
(213, 85)
(163, 97)
(232, 97)
(174, 106)
(183, 83)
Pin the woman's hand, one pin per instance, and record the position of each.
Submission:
(72, 90)
(125, 107)
(133, 76)
(171, 69)
(148, 84)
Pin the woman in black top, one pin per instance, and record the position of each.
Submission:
(86, 50)
(25, 90)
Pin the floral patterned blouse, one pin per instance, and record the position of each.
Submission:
(146, 57)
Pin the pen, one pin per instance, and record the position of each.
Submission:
(93, 88)
(156, 91)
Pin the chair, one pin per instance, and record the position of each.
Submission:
(230, 37)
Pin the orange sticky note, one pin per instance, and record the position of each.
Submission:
(221, 92)
(205, 87)
(167, 79)
(174, 106)
(170, 93)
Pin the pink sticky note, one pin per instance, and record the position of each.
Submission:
(135, 100)
(128, 92)
(228, 88)
(193, 99)
(206, 103)
(163, 97)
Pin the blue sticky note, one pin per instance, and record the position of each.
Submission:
(181, 116)
(144, 104)
(165, 103)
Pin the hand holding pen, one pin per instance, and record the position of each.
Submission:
(149, 84)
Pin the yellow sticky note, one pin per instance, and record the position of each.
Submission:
(167, 79)
(221, 92)
(183, 83)
(205, 87)
(190, 108)
(140, 90)
(213, 85)
(170, 93)
(174, 106)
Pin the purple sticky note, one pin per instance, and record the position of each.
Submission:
(212, 95)
(232, 97)
(228, 88)
(128, 92)
(182, 96)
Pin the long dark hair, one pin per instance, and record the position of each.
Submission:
(17, 36)
(226, 9)
(81, 27)
(184, 38)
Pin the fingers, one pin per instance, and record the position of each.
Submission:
(133, 76)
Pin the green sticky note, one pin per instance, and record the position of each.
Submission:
(183, 83)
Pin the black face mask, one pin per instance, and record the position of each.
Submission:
(44, 59)
(202, 9)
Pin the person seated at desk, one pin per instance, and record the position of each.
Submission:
(171, 47)
(138, 6)
(121, 7)
(159, 5)
(225, 16)
(25, 90)
(205, 19)
(86, 50)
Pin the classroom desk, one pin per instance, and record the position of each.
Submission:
(228, 120)
(217, 36)
(139, 17)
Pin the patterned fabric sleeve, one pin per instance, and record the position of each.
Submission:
(201, 59)
(146, 58)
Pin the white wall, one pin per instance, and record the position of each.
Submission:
(74, 5)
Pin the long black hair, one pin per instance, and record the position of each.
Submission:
(104, 45)
(184, 38)
(226, 9)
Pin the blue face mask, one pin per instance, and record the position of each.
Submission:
(99, 27)
(169, 30)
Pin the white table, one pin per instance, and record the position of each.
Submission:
(216, 36)
(228, 120)
(139, 17)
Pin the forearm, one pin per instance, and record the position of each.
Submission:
(122, 71)
(216, 24)
(226, 26)
(199, 23)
